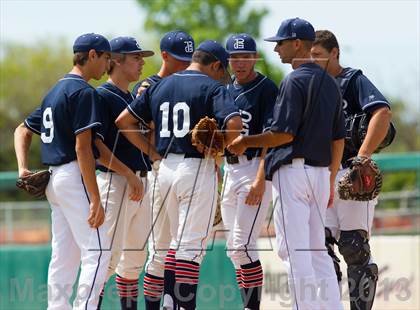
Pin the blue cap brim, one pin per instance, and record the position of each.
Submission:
(181, 58)
(143, 53)
(275, 39)
(242, 52)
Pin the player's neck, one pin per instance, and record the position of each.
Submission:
(163, 72)
(251, 76)
(335, 69)
(82, 72)
(196, 67)
(119, 82)
(301, 58)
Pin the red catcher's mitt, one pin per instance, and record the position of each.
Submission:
(362, 182)
(35, 183)
(207, 138)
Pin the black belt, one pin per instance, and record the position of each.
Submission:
(143, 173)
(309, 162)
(193, 155)
(231, 159)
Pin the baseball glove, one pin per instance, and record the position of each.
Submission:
(207, 138)
(34, 183)
(362, 182)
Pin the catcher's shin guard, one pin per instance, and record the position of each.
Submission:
(354, 246)
(362, 285)
(330, 241)
(362, 276)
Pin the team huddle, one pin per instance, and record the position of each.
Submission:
(129, 191)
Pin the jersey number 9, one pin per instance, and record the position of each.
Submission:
(47, 121)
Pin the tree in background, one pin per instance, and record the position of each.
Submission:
(216, 19)
(211, 19)
(28, 72)
(26, 75)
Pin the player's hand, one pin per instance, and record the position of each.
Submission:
(97, 214)
(135, 187)
(237, 146)
(256, 193)
(24, 172)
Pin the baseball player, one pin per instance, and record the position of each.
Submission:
(123, 177)
(185, 177)
(308, 135)
(176, 48)
(351, 221)
(246, 195)
(67, 121)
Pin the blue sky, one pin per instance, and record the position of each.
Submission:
(380, 37)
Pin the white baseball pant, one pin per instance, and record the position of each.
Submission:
(129, 224)
(242, 222)
(160, 236)
(74, 243)
(300, 196)
(191, 186)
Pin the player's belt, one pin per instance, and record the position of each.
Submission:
(308, 162)
(193, 155)
(231, 160)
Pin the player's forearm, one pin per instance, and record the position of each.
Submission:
(138, 140)
(268, 139)
(22, 142)
(261, 172)
(130, 129)
(233, 129)
(337, 148)
(377, 130)
(87, 164)
(109, 160)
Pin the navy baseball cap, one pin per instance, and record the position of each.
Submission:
(241, 43)
(178, 44)
(128, 45)
(214, 48)
(91, 41)
(294, 28)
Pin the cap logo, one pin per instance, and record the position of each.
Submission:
(189, 46)
(137, 45)
(239, 43)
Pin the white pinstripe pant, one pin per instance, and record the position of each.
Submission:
(300, 195)
(191, 186)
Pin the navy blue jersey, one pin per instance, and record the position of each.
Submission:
(151, 80)
(255, 101)
(177, 103)
(359, 95)
(309, 107)
(68, 109)
(113, 102)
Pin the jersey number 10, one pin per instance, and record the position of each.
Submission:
(179, 107)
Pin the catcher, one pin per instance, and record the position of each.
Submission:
(359, 180)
